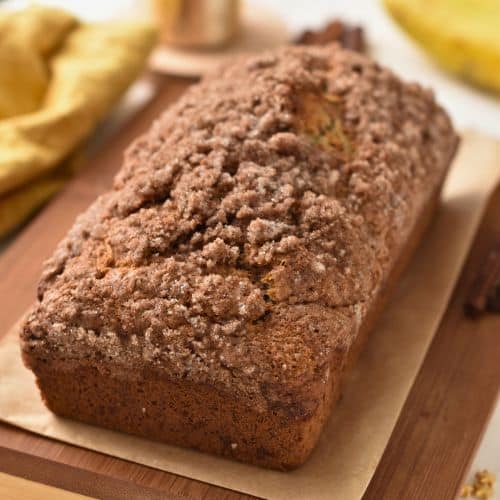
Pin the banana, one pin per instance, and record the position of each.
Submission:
(462, 35)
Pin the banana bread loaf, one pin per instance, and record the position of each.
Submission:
(217, 295)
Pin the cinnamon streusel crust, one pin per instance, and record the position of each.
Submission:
(214, 296)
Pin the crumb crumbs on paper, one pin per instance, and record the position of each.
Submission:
(482, 487)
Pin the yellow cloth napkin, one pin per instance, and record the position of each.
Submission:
(58, 79)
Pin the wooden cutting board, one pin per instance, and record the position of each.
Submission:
(434, 440)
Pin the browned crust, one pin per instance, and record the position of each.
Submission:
(218, 295)
(198, 416)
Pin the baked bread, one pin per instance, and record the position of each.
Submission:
(217, 295)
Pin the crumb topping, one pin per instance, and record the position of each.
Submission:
(483, 486)
(248, 229)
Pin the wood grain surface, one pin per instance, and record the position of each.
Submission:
(431, 446)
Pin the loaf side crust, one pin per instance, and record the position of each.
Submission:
(198, 415)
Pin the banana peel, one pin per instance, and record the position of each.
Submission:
(463, 36)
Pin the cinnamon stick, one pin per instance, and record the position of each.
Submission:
(349, 36)
(484, 294)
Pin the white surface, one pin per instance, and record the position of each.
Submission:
(91, 10)
(468, 107)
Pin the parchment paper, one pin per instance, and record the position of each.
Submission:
(356, 435)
